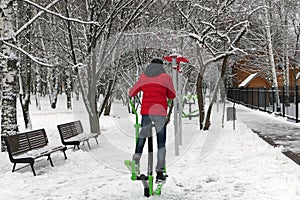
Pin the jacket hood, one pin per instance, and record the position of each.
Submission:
(154, 69)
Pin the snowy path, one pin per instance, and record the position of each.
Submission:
(282, 132)
(214, 165)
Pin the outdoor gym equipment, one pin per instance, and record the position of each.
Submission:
(190, 100)
(176, 76)
(147, 180)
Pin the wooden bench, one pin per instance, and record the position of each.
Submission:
(27, 147)
(72, 134)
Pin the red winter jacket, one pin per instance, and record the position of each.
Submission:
(157, 87)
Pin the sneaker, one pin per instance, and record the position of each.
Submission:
(160, 176)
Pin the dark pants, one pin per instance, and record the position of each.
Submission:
(160, 128)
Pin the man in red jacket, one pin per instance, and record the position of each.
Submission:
(157, 88)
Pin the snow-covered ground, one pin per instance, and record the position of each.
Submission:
(221, 163)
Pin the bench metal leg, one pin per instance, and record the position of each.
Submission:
(96, 140)
(49, 158)
(76, 145)
(87, 141)
(64, 151)
(31, 165)
(33, 171)
(14, 167)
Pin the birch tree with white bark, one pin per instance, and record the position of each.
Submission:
(9, 59)
(8, 68)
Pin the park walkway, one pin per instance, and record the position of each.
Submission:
(277, 131)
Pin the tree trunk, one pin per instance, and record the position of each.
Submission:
(271, 55)
(69, 74)
(69, 99)
(108, 107)
(286, 59)
(9, 100)
(25, 96)
(89, 93)
(223, 70)
(69, 89)
(77, 93)
(53, 87)
(25, 76)
(25, 100)
(200, 100)
(94, 124)
(106, 101)
(8, 63)
(207, 120)
(93, 115)
(38, 87)
(297, 43)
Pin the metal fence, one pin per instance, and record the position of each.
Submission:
(264, 100)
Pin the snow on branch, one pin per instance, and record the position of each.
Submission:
(226, 35)
(35, 18)
(139, 9)
(246, 22)
(36, 60)
(215, 59)
(59, 15)
(256, 9)
(241, 33)
(195, 36)
(2, 56)
(209, 24)
(187, 18)
(203, 8)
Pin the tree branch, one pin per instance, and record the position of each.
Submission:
(59, 15)
(34, 18)
(30, 56)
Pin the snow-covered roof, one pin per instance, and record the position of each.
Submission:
(248, 80)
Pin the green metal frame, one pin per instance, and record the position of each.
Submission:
(131, 164)
(137, 125)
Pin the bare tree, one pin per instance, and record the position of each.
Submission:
(8, 56)
(24, 68)
(101, 43)
(9, 70)
(270, 52)
(219, 34)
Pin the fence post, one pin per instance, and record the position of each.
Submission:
(238, 95)
(258, 103)
(265, 91)
(234, 96)
(245, 96)
(247, 92)
(252, 103)
(297, 108)
(283, 102)
(273, 98)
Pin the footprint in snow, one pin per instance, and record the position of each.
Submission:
(211, 179)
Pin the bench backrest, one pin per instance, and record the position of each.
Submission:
(23, 142)
(70, 129)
